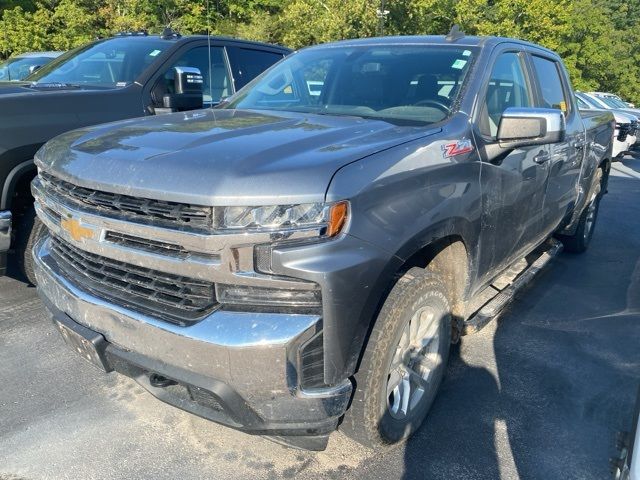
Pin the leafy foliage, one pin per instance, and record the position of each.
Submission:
(598, 39)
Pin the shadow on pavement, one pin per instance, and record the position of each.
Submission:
(14, 272)
(541, 392)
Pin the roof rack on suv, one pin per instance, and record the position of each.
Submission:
(169, 34)
(454, 34)
(141, 33)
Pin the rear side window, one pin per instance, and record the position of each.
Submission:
(248, 63)
(553, 95)
(507, 88)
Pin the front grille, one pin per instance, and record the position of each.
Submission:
(633, 128)
(169, 214)
(623, 131)
(152, 246)
(174, 298)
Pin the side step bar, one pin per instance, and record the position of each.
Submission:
(503, 298)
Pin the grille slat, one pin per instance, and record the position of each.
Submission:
(152, 246)
(177, 298)
(168, 214)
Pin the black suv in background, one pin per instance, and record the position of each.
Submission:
(122, 77)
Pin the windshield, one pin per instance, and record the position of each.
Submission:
(609, 102)
(590, 101)
(112, 63)
(396, 83)
(18, 68)
(614, 102)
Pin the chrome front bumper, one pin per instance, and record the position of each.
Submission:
(253, 356)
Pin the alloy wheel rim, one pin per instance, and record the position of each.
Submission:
(414, 361)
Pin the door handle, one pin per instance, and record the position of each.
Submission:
(542, 157)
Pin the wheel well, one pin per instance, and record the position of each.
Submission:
(20, 199)
(448, 258)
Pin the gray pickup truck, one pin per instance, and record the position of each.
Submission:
(126, 76)
(302, 257)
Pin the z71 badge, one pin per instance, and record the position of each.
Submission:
(457, 148)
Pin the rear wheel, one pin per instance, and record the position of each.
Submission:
(30, 230)
(403, 363)
(579, 241)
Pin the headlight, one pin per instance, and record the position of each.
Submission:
(329, 218)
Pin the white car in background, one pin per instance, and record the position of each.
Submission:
(613, 96)
(610, 101)
(626, 124)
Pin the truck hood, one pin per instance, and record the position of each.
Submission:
(220, 157)
(7, 88)
(27, 88)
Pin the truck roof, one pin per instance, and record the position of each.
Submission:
(470, 41)
(141, 37)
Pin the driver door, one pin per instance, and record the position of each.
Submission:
(512, 181)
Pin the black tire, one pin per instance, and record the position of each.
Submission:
(30, 230)
(371, 419)
(579, 241)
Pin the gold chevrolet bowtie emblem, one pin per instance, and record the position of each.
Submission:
(75, 230)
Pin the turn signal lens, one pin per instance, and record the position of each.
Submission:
(337, 218)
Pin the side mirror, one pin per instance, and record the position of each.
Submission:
(33, 68)
(188, 82)
(521, 127)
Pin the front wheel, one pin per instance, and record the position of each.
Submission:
(403, 364)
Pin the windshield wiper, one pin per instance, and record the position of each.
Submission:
(54, 85)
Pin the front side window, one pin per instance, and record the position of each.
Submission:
(507, 88)
(553, 95)
(112, 63)
(397, 83)
(248, 63)
(216, 84)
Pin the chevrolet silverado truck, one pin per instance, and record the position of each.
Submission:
(127, 76)
(301, 259)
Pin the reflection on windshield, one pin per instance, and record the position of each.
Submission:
(18, 68)
(111, 63)
(397, 83)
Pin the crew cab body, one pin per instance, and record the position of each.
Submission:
(245, 255)
(108, 80)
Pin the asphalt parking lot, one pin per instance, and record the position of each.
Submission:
(539, 394)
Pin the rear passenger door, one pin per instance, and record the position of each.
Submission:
(565, 158)
(512, 181)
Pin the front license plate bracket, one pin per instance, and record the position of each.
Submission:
(88, 344)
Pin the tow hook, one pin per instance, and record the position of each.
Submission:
(159, 381)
